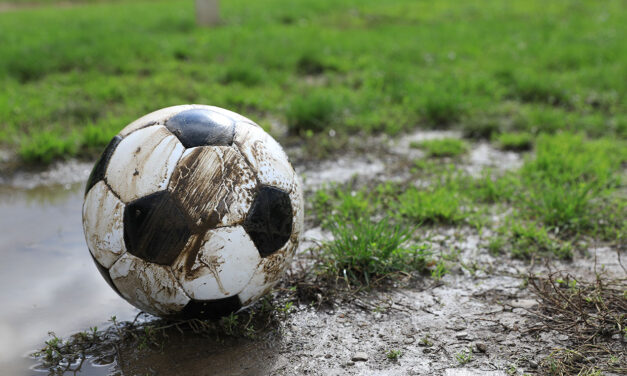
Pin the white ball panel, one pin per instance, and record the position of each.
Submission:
(267, 274)
(149, 287)
(153, 118)
(217, 265)
(103, 224)
(265, 155)
(214, 181)
(255, 289)
(298, 207)
(143, 162)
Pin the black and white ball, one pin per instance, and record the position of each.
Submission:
(192, 211)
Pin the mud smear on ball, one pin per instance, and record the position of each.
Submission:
(214, 186)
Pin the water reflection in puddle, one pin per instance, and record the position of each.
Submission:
(49, 282)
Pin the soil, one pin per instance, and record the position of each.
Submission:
(473, 321)
(482, 312)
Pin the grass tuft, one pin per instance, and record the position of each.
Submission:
(435, 205)
(514, 141)
(566, 177)
(526, 240)
(243, 74)
(363, 250)
(312, 112)
(446, 147)
(441, 108)
(311, 64)
(481, 127)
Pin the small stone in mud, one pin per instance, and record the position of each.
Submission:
(524, 303)
(409, 341)
(481, 347)
(360, 356)
(461, 335)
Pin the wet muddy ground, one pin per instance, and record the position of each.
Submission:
(473, 321)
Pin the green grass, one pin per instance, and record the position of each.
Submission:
(446, 147)
(464, 356)
(489, 67)
(55, 2)
(393, 354)
(514, 141)
(525, 240)
(567, 177)
(568, 190)
(314, 112)
(437, 205)
(364, 250)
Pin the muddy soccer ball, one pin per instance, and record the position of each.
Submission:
(192, 211)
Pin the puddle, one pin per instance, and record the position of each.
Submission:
(197, 355)
(49, 280)
(340, 170)
(484, 155)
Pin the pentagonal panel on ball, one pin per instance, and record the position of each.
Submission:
(216, 265)
(214, 186)
(201, 127)
(143, 162)
(268, 273)
(148, 286)
(265, 155)
(103, 224)
(298, 207)
(154, 118)
(155, 229)
(230, 114)
(269, 221)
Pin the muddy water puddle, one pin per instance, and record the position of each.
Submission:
(49, 281)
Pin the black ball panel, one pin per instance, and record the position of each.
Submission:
(211, 309)
(201, 127)
(269, 221)
(155, 229)
(98, 172)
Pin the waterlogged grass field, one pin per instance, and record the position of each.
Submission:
(543, 81)
(73, 76)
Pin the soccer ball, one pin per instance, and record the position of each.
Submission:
(192, 211)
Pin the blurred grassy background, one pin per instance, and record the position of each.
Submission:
(72, 77)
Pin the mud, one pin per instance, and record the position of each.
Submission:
(391, 159)
(193, 355)
(60, 176)
(480, 308)
(478, 312)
